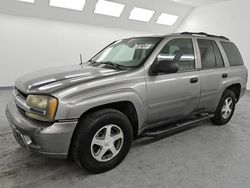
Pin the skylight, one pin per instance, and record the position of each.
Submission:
(167, 19)
(69, 4)
(141, 14)
(109, 8)
(27, 1)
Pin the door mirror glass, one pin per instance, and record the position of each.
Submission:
(166, 67)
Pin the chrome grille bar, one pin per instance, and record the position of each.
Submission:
(22, 104)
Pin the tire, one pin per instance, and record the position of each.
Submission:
(221, 116)
(94, 127)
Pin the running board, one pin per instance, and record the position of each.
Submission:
(177, 127)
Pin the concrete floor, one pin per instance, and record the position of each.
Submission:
(205, 156)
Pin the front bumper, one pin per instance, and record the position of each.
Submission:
(50, 140)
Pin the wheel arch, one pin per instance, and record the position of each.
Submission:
(236, 88)
(126, 107)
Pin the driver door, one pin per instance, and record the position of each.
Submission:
(173, 96)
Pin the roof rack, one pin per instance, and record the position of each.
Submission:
(204, 34)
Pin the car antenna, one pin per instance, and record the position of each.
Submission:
(81, 60)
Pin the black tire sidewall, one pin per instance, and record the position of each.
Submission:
(95, 123)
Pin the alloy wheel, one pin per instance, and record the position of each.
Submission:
(227, 108)
(107, 143)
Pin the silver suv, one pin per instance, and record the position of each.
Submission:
(134, 86)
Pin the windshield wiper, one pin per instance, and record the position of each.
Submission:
(114, 65)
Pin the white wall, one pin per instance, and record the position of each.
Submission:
(28, 44)
(229, 18)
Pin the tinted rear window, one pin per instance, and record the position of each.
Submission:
(218, 56)
(207, 54)
(233, 54)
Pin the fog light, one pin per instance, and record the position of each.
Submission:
(27, 139)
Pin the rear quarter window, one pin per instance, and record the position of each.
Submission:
(233, 54)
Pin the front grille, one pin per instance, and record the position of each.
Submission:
(22, 94)
(21, 110)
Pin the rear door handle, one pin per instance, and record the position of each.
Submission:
(225, 75)
(193, 80)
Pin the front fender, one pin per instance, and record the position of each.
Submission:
(74, 109)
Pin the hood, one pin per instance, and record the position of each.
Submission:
(54, 79)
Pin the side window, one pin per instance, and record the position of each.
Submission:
(179, 51)
(207, 53)
(233, 54)
(218, 56)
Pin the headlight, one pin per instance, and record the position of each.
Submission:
(42, 107)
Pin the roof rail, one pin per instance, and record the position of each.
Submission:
(204, 34)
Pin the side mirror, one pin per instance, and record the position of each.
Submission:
(165, 66)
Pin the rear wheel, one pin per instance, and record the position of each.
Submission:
(225, 109)
(102, 140)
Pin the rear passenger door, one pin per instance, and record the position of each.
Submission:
(212, 74)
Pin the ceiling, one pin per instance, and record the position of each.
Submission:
(41, 9)
(196, 3)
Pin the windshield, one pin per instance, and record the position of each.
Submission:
(128, 52)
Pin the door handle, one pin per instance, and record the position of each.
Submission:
(193, 80)
(224, 75)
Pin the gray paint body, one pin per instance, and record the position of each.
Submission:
(157, 99)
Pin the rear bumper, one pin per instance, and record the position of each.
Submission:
(49, 140)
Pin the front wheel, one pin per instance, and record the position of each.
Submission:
(225, 109)
(102, 140)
